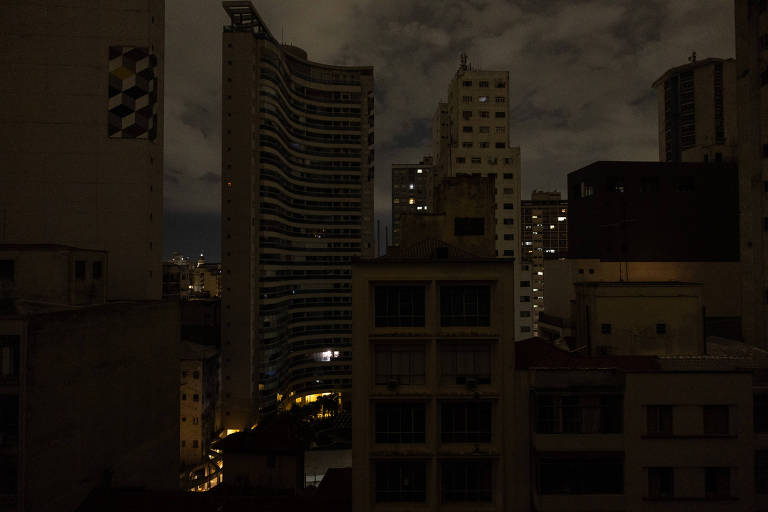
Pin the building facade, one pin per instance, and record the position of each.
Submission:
(87, 172)
(544, 227)
(752, 84)
(433, 349)
(297, 205)
(412, 192)
(697, 111)
(199, 390)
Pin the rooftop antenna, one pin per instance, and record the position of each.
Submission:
(692, 58)
(463, 58)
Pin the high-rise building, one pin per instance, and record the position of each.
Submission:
(82, 144)
(697, 111)
(544, 236)
(470, 137)
(297, 205)
(752, 83)
(412, 192)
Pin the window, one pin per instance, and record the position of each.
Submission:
(761, 472)
(525, 298)
(605, 328)
(97, 270)
(467, 481)
(9, 357)
(460, 159)
(508, 222)
(525, 328)
(580, 474)
(463, 364)
(525, 284)
(525, 314)
(465, 422)
(509, 206)
(485, 114)
(9, 422)
(485, 129)
(399, 306)
(467, 83)
(716, 420)
(466, 129)
(615, 184)
(760, 412)
(484, 144)
(195, 397)
(466, 99)
(477, 160)
(467, 114)
(500, 114)
(500, 99)
(586, 189)
(195, 443)
(500, 85)
(80, 270)
(501, 144)
(196, 374)
(183, 396)
(400, 423)
(579, 413)
(465, 306)
(483, 99)
(661, 328)
(469, 226)
(7, 270)
(466, 144)
(661, 483)
(509, 236)
(659, 420)
(717, 483)
(183, 443)
(509, 176)
(501, 130)
(401, 481)
(400, 364)
(483, 83)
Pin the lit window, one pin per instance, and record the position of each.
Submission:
(419, 171)
(425, 207)
(534, 216)
(540, 273)
(528, 243)
(560, 219)
(411, 201)
(551, 226)
(483, 99)
(410, 186)
(396, 201)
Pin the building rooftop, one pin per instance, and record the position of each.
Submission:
(430, 249)
(688, 67)
(277, 437)
(45, 247)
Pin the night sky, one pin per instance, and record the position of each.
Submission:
(580, 81)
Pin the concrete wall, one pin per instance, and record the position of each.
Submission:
(112, 410)
(64, 179)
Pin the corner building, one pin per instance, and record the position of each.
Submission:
(297, 205)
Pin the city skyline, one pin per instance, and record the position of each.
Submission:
(580, 87)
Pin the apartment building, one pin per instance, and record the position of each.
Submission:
(697, 111)
(297, 205)
(752, 79)
(544, 227)
(82, 152)
(199, 392)
(432, 391)
(412, 192)
(470, 137)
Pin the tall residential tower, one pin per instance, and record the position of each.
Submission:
(297, 205)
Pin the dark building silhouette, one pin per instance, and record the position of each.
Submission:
(651, 211)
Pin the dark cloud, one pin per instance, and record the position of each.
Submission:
(580, 75)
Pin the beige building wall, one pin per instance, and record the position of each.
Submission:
(67, 178)
(432, 339)
(751, 24)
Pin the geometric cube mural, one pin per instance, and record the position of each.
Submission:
(132, 93)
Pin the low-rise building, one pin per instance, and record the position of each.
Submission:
(198, 398)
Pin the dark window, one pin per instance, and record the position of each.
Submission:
(760, 412)
(761, 472)
(615, 184)
(525, 284)
(509, 236)
(460, 159)
(659, 420)
(195, 374)
(464, 364)
(399, 306)
(509, 176)
(401, 481)
(195, 397)
(79, 270)
(580, 475)
(466, 129)
(525, 298)
(661, 483)
(9, 421)
(195, 443)
(399, 423)
(579, 413)
(507, 222)
(467, 83)
(605, 328)
(465, 422)
(9, 358)
(97, 270)
(469, 226)
(717, 483)
(661, 328)
(483, 83)
(509, 206)
(586, 189)
(465, 306)
(501, 114)
(465, 481)
(716, 419)
(183, 396)
(400, 364)
(7, 270)
(525, 314)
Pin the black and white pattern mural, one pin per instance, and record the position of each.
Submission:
(132, 93)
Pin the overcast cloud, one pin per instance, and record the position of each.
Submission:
(580, 80)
